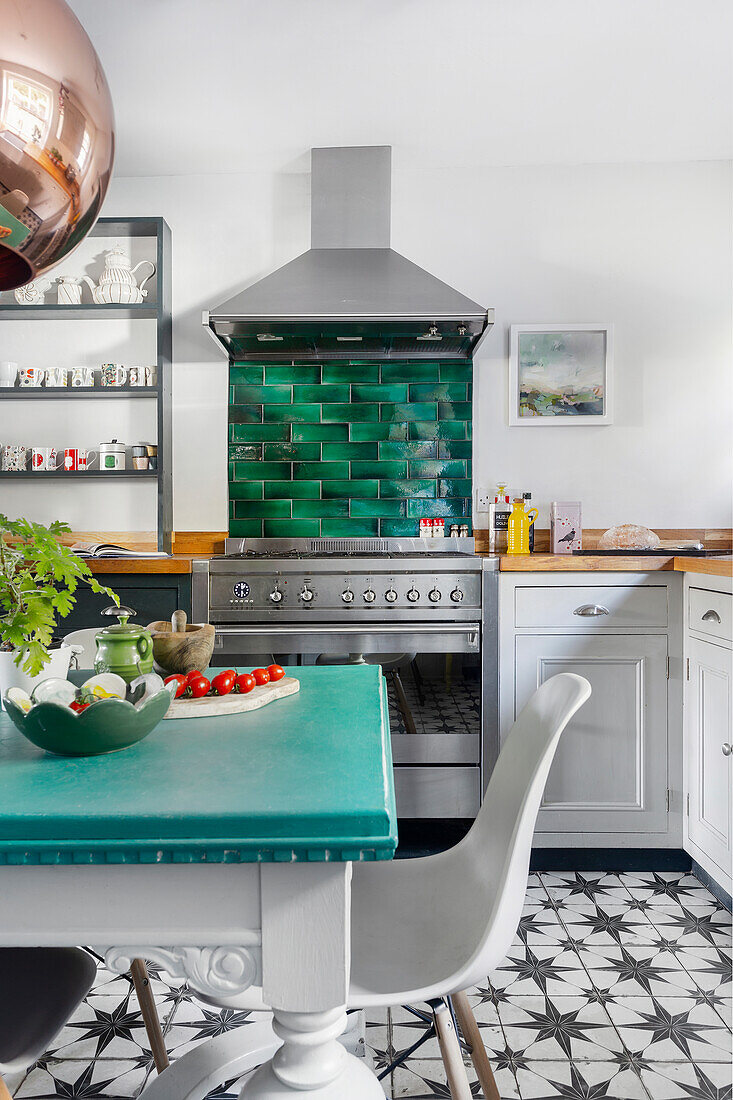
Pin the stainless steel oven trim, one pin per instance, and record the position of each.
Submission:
(353, 638)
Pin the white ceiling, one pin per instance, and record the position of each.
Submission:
(247, 85)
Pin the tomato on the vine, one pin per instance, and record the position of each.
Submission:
(276, 672)
(198, 686)
(244, 683)
(261, 675)
(180, 681)
(223, 682)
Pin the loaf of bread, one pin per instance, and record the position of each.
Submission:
(628, 536)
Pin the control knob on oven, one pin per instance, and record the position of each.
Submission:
(390, 595)
(370, 595)
(413, 595)
(347, 595)
(276, 595)
(457, 595)
(306, 594)
(435, 595)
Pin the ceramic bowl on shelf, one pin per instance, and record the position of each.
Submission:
(106, 726)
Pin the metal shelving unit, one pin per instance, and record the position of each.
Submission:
(160, 311)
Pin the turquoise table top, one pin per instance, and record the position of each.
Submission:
(304, 778)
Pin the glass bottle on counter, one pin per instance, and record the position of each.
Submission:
(499, 511)
(528, 505)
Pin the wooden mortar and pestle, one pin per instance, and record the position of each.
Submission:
(179, 646)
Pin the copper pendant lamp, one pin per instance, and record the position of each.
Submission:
(56, 137)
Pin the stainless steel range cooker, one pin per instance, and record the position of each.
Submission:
(425, 609)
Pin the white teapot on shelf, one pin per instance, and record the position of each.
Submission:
(117, 283)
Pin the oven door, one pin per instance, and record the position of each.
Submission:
(433, 673)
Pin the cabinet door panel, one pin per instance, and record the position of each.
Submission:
(708, 729)
(610, 771)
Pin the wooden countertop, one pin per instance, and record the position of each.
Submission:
(176, 563)
(719, 566)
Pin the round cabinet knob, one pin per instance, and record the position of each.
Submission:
(457, 595)
(413, 595)
(727, 749)
(390, 595)
(370, 596)
(306, 595)
(276, 595)
(347, 596)
(435, 595)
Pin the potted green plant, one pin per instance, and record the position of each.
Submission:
(38, 579)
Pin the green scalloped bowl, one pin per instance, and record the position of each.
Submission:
(106, 726)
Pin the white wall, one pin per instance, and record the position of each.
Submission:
(646, 247)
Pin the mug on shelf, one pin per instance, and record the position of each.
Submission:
(14, 457)
(69, 292)
(140, 460)
(56, 377)
(30, 376)
(77, 458)
(113, 374)
(43, 458)
(136, 376)
(82, 376)
(150, 373)
(112, 456)
(8, 373)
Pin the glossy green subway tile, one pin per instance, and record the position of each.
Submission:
(261, 471)
(312, 433)
(347, 451)
(321, 471)
(418, 449)
(292, 528)
(349, 414)
(289, 414)
(362, 489)
(377, 432)
(408, 488)
(246, 452)
(450, 509)
(454, 487)
(454, 410)
(438, 429)
(302, 373)
(245, 528)
(330, 395)
(285, 490)
(455, 448)
(394, 392)
(350, 372)
(469, 429)
(263, 395)
(245, 490)
(456, 372)
(398, 528)
(436, 467)
(410, 372)
(439, 391)
(378, 470)
(376, 509)
(262, 509)
(230, 475)
(256, 433)
(320, 509)
(349, 528)
(294, 452)
(245, 414)
(420, 410)
(246, 374)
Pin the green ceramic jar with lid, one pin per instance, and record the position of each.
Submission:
(125, 648)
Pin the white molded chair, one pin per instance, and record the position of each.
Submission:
(427, 929)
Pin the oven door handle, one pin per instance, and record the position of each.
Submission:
(351, 628)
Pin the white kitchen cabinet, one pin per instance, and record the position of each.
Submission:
(617, 778)
(709, 731)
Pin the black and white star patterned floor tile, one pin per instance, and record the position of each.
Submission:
(599, 998)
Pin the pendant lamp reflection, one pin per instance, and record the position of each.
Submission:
(56, 137)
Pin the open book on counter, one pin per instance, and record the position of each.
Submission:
(111, 550)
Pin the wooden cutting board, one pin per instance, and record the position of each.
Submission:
(234, 704)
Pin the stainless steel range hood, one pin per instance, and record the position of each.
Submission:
(350, 296)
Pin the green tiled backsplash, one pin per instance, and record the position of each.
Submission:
(348, 449)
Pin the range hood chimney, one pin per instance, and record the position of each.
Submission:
(350, 296)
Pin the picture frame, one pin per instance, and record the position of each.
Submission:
(560, 375)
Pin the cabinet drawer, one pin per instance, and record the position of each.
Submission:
(591, 607)
(711, 613)
(437, 792)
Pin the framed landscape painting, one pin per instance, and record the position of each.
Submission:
(560, 374)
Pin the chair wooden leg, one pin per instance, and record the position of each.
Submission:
(145, 997)
(472, 1035)
(450, 1050)
(4, 1094)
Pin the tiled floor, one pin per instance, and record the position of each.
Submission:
(617, 987)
